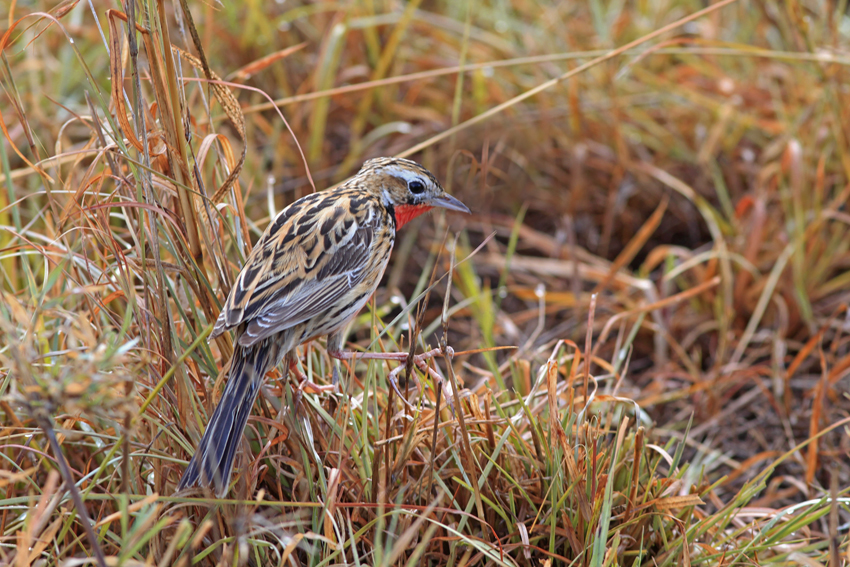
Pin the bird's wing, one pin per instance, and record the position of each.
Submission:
(305, 264)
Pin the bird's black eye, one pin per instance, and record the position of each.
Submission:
(416, 187)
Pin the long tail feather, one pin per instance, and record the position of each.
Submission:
(212, 463)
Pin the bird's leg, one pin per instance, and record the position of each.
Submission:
(421, 362)
(335, 348)
(418, 359)
(335, 351)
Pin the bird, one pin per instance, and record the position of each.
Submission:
(315, 266)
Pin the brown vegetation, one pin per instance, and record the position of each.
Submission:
(648, 309)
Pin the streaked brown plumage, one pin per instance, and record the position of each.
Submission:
(312, 270)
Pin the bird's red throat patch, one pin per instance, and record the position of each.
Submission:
(406, 213)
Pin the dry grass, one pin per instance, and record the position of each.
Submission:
(659, 235)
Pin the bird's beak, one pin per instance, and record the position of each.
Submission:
(446, 201)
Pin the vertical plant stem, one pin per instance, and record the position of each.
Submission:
(178, 132)
(448, 353)
(45, 424)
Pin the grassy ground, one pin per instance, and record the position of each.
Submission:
(648, 309)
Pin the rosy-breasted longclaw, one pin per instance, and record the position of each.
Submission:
(313, 269)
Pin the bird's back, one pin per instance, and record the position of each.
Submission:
(313, 268)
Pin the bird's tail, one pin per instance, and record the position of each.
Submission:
(212, 462)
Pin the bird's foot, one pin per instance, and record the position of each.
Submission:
(420, 360)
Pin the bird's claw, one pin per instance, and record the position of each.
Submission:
(420, 360)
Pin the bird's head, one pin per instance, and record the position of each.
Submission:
(406, 188)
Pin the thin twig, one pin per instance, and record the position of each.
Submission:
(45, 424)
